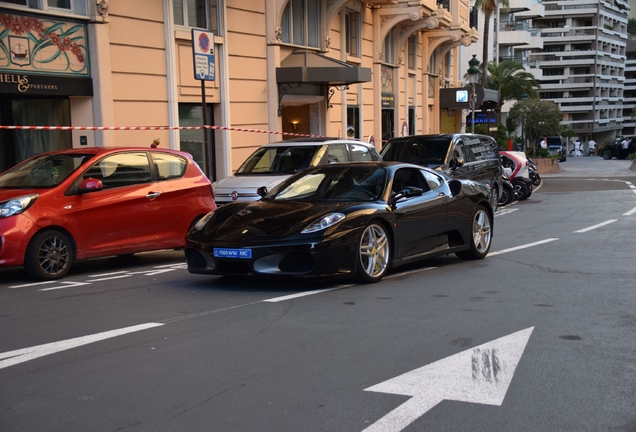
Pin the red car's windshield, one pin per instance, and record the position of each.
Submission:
(45, 171)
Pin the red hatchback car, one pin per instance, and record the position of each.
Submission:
(59, 207)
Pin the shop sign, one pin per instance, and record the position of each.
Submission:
(45, 85)
(388, 100)
(482, 118)
(39, 44)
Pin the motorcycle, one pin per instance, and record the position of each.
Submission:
(507, 191)
(532, 172)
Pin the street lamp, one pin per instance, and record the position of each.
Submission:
(523, 124)
(473, 74)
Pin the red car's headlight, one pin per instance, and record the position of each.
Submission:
(16, 205)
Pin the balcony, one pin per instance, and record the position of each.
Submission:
(512, 33)
(535, 10)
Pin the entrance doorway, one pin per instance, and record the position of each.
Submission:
(19, 145)
(387, 125)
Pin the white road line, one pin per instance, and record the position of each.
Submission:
(302, 294)
(596, 226)
(516, 248)
(107, 274)
(11, 358)
(112, 277)
(631, 212)
(501, 212)
(32, 284)
(410, 272)
(66, 285)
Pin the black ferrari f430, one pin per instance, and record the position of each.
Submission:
(352, 220)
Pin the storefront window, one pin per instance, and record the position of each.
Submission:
(353, 122)
(18, 145)
(192, 141)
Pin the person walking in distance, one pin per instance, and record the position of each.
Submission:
(577, 147)
(591, 147)
(624, 147)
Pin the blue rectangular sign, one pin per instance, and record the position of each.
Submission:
(232, 253)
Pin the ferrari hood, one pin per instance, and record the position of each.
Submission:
(266, 220)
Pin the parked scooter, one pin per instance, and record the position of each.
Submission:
(507, 190)
(520, 178)
(533, 172)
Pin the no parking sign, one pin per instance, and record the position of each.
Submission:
(203, 54)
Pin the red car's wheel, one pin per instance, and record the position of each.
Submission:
(49, 255)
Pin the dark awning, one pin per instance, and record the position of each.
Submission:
(307, 67)
(459, 98)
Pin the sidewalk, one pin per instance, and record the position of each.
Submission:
(594, 166)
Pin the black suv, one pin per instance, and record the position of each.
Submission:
(614, 149)
(460, 156)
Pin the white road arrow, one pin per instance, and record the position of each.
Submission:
(478, 375)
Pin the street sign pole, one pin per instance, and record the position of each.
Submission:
(204, 70)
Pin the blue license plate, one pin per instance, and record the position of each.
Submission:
(232, 253)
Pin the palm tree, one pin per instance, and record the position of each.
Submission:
(512, 81)
(488, 7)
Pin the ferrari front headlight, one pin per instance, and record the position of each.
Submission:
(203, 221)
(324, 222)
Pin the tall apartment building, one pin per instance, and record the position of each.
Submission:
(629, 99)
(583, 63)
(577, 51)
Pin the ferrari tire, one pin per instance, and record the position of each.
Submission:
(480, 236)
(374, 254)
(49, 255)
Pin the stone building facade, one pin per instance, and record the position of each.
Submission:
(369, 70)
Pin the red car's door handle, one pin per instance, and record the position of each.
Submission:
(152, 195)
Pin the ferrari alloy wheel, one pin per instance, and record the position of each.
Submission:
(373, 261)
(481, 236)
(49, 255)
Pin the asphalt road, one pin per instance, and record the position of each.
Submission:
(539, 336)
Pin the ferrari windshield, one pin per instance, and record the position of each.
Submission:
(44, 171)
(284, 159)
(417, 150)
(334, 183)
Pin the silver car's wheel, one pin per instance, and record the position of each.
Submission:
(374, 254)
(481, 236)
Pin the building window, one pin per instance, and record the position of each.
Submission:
(77, 7)
(204, 14)
(352, 33)
(389, 47)
(353, 121)
(300, 23)
(193, 141)
(412, 54)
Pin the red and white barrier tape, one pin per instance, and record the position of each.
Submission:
(129, 128)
